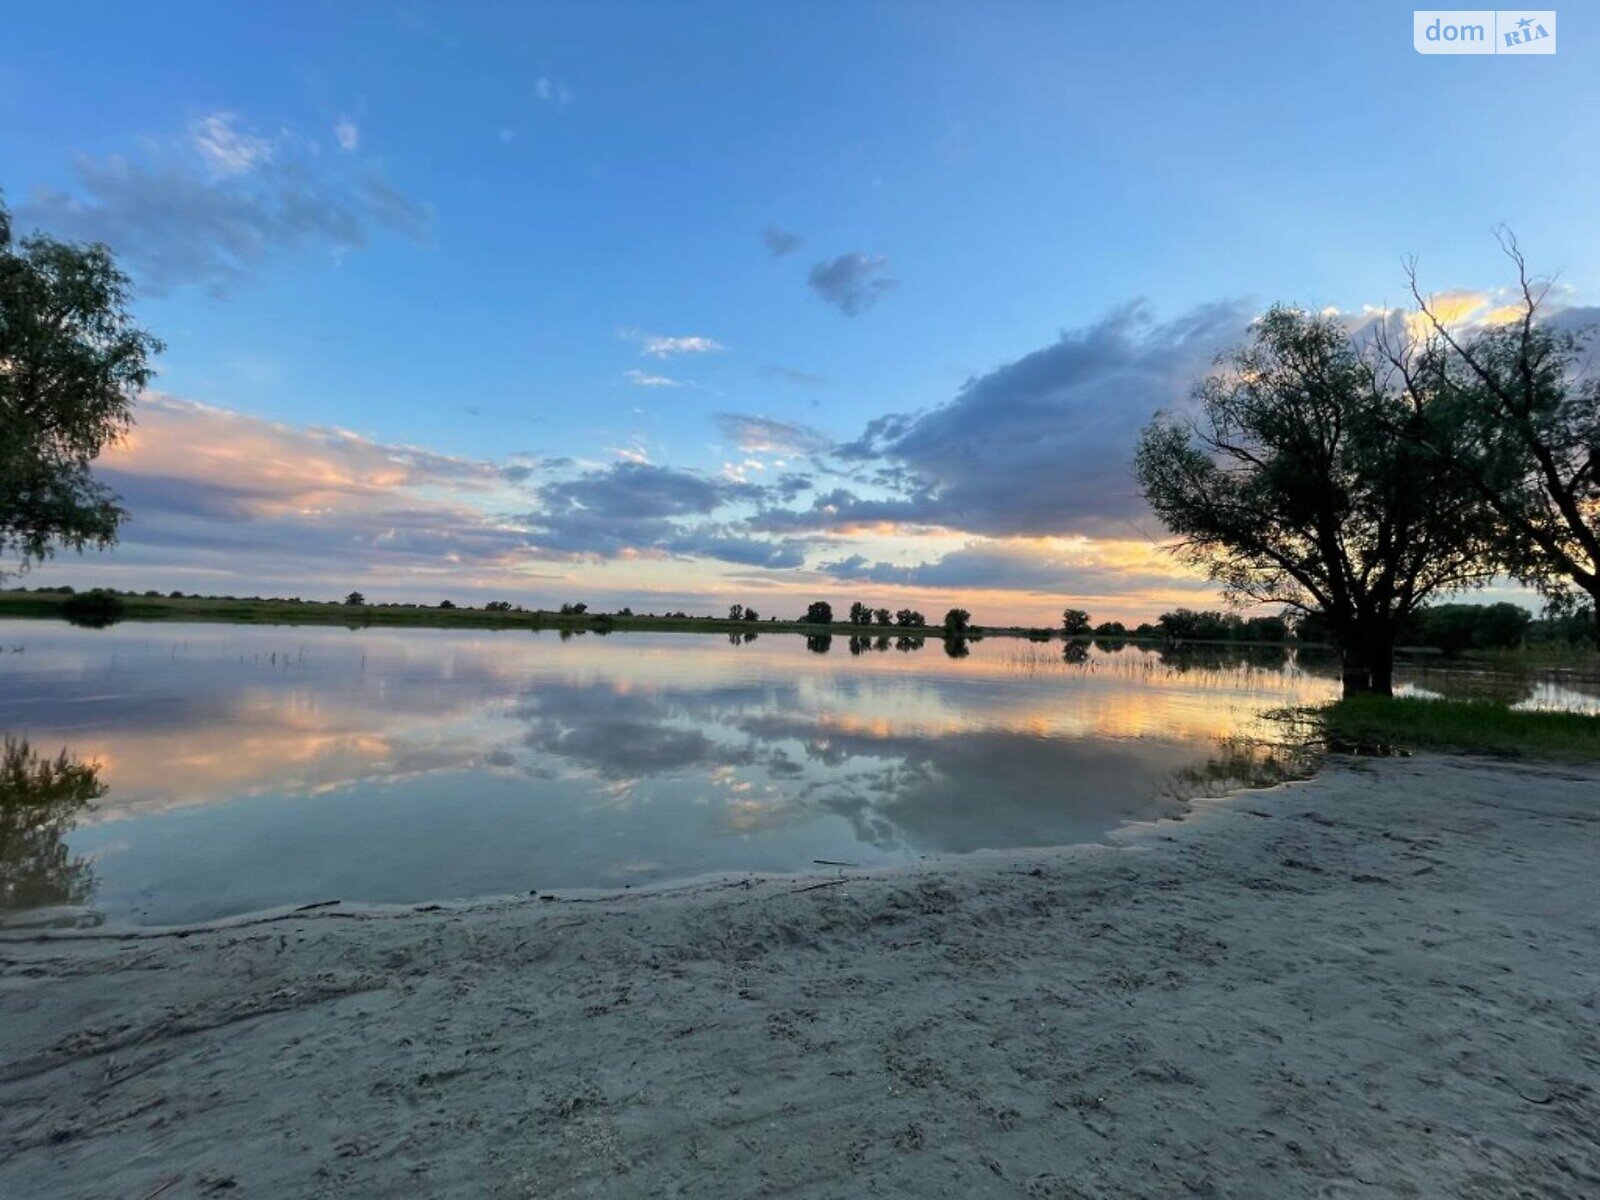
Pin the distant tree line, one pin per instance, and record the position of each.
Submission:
(1451, 628)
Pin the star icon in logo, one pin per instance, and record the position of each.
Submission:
(1524, 23)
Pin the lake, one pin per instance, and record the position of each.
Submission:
(223, 768)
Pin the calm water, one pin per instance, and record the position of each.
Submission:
(236, 768)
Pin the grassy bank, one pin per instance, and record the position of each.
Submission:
(1473, 726)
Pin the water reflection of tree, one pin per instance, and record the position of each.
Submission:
(1248, 763)
(1192, 657)
(40, 802)
(956, 647)
(1075, 653)
(819, 643)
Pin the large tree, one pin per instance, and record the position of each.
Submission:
(1290, 486)
(1522, 429)
(72, 361)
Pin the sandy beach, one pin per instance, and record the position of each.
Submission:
(1384, 981)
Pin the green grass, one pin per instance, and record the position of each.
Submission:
(1474, 726)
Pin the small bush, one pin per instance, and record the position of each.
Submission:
(97, 607)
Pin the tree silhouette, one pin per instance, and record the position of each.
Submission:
(1522, 431)
(72, 363)
(1300, 484)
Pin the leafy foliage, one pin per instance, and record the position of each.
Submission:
(72, 361)
(1453, 628)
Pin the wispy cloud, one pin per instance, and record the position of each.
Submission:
(658, 346)
(853, 282)
(347, 133)
(793, 375)
(213, 207)
(226, 148)
(552, 91)
(766, 435)
(646, 379)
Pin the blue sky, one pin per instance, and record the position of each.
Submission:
(485, 236)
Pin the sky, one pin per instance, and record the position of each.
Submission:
(676, 305)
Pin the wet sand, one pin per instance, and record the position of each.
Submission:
(1381, 982)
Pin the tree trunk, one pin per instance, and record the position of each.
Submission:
(1379, 640)
(1368, 663)
(1355, 669)
(1381, 661)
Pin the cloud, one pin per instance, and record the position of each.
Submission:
(719, 543)
(552, 91)
(780, 242)
(1042, 445)
(220, 492)
(792, 375)
(226, 501)
(645, 379)
(211, 208)
(347, 133)
(765, 435)
(853, 282)
(227, 149)
(1024, 566)
(658, 346)
(640, 508)
(632, 491)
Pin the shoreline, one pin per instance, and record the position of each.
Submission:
(1379, 981)
(36, 605)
